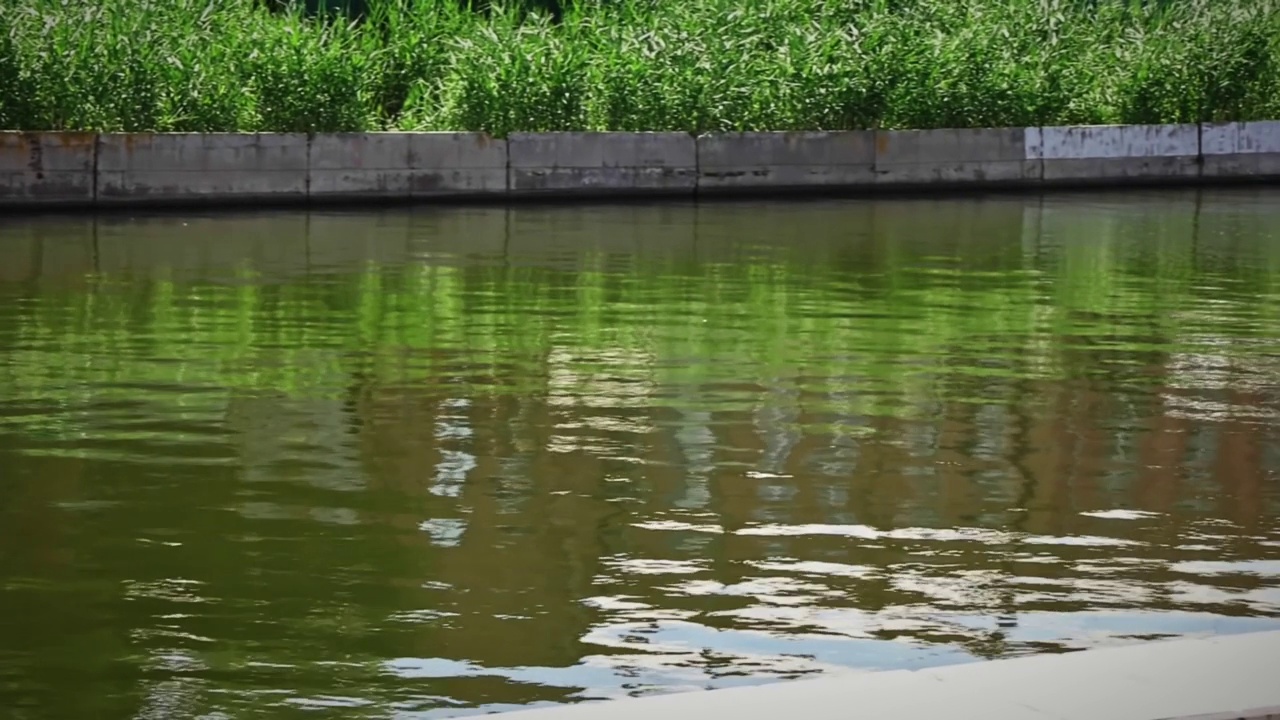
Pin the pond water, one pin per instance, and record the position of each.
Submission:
(434, 462)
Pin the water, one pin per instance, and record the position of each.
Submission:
(428, 463)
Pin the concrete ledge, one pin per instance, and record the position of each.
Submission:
(70, 169)
(1224, 677)
(957, 157)
(196, 167)
(593, 164)
(1268, 713)
(1094, 154)
(46, 168)
(734, 162)
(1241, 150)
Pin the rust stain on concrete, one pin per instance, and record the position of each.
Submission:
(130, 140)
(75, 140)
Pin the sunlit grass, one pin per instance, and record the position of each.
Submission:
(690, 65)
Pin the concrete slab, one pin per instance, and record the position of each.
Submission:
(1110, 171)
(957, 157)
(157, 168)
(458, 164)
(1226, 677)
(1220, 138)
(1138, 682)
(593, 164)
(729, 162)
(1260, 137)
(1090, 154)
(1119, 141)
(359, 165)
(39, 168)
(1241, 151)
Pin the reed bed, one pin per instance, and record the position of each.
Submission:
(689, 65)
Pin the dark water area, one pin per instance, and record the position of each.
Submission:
(435, 462)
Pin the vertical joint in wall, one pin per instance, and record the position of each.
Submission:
(93, 182)
(306, 176)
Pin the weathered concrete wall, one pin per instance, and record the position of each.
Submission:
(1241, 150)
(581, 164)
(733, 162)
(359, 165)
(46, 168)
(1091, 154)
(457, 164)
(197, 167)
(66, 169)
(957, 157)
(400, 166)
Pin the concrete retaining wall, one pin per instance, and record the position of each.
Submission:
(1236, 150)
(734, 162)
(457, 164)
(1092, 154)
(46, 168)
(400, 166)
(67, 169)
(957, 157)
(198, 167)
(581, 164)
(359, 165)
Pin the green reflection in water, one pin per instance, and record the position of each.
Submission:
(445, 461)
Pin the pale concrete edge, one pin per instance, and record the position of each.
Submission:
(1271, 712)
(1008, 688)
(1036, 155)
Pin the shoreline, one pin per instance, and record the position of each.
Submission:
(76, 170)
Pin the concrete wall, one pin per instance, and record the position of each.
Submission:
(359, 165)
(66, 169)
(46, 168)
(1090, 154)
(1235, 150)
(446, 164)
(957, 157)
(400, 166)
(199, 167)
(734, 162)
(581, 164)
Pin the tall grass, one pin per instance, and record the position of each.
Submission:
(690, 65)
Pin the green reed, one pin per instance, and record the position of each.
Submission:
(688, 65)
